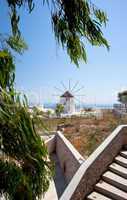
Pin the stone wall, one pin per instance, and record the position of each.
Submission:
(69, 158)
(91, 170)
(51, 144)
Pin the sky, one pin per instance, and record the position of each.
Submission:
(45, 64)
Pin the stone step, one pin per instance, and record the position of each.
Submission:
(97, 196)
(118, 169)
(124, 154)
(121, 161)
(110, 191)
(115, 180)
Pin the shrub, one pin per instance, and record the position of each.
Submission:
(24, 167)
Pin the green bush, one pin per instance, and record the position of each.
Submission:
(24, 167)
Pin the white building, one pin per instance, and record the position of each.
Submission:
(120, 109)
(67, 100)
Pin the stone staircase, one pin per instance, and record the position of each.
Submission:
(113, 183)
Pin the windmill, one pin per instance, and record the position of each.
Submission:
(68, 96)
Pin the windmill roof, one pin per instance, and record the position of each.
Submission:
(67, 94)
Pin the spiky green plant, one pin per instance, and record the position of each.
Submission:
(24, 167)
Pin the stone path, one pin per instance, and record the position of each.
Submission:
(58, 184)
(59, 179)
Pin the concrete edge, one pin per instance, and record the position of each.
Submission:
(83, 168)
(72, 149)
(49, 139)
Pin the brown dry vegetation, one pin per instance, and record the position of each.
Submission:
(87, 133)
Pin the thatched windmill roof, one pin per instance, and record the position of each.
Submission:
(67, 94)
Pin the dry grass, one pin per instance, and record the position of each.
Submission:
(87, 134)
(90, 133)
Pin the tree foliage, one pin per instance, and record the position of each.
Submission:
(59, 109)
(17, 44)
(72, 21)
(8, 46)
(122, 97)
(7, 70)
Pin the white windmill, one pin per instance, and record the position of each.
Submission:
(67, 100)
(69, 96)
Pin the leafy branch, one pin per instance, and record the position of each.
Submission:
(72, 21)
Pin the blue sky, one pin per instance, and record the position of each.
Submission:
(45, 64)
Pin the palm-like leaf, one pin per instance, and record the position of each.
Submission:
(27, 153)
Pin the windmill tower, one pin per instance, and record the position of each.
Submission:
(68, 97)
(67, 100)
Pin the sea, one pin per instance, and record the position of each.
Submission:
(78, 107)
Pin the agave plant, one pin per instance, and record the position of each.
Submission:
(25, 170)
